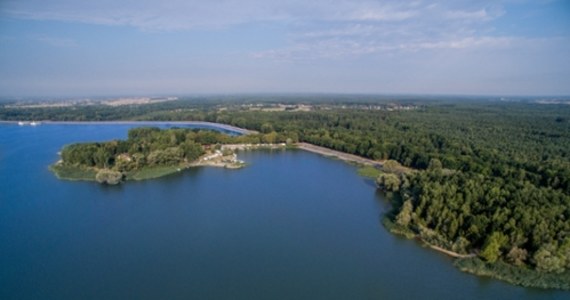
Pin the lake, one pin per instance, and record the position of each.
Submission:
(291, 225)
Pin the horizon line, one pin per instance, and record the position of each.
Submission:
(181, 96)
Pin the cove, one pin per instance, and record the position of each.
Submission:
(292, 224)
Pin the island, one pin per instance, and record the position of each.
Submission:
(151, 152)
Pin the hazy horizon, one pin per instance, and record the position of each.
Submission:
(309, 97)
(66, 48)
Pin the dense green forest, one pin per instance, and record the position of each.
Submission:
(492, 179)
(495, 180)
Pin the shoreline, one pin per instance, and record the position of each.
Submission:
(216, 160)
(89, 174)
(472, 264)
(302, 145)
(339, 155)
(464, 262)
(445, 251)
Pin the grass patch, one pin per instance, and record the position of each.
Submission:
(515, 275)
(369, 172)
(397, 229)
(237, 165)
(153, 172)
(73, 172)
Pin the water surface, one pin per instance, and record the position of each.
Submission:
(291, 225)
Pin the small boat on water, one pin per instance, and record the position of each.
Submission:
(33, 123)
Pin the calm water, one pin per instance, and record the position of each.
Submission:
(291, 225)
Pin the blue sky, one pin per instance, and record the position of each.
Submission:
(91, 48)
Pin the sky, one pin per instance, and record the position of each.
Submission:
(53, 48)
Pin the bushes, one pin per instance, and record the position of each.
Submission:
(109, 176)
(388, 182)
(515, 275)
(492, 249)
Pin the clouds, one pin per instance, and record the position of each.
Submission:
(339, 49)
(288, 45)
(318, 28)
(184, 15)
(411, 27)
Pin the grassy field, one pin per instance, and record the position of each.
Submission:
(78, 173)
(369, 172)
(154, 172)
(73, 173)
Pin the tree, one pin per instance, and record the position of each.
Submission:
(389, 182)
(167, 157)
(565, 251)
(192, 151)
(240, 122)
(391, 166)
(460, 245)
(492, 249)
(405, 216)
(517, 256)
(266, 128)
(270, 138)
(102, 158)
(435, 165)
(548, 259)
(124, 163)
(142, 132)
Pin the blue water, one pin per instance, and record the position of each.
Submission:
(291, 225)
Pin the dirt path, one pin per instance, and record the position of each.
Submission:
(450, 253)
(340, 155)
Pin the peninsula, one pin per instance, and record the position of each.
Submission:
(150, 152)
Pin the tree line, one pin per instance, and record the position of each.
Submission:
(152, 147)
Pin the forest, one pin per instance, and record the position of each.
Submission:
(492, 178)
